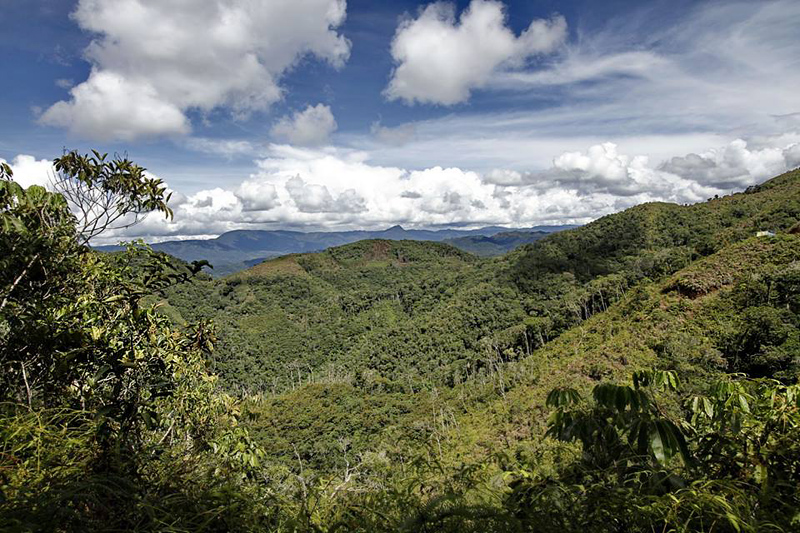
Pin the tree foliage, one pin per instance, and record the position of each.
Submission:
(107, 193)
(96, 385)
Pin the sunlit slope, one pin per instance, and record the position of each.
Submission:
(421, 314)
(338, 312)
(662, 231)
(744, 320)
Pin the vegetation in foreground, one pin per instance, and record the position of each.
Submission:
(636, 374)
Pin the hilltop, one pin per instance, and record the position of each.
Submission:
(323, 313)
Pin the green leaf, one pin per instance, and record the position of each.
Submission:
(708, 408)
(743, 403)
(657, 444)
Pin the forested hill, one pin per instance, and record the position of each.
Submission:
(610, 243)
(636, 374)
(424, 314)
(380, 353)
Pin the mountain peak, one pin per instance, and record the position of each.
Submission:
(396, 227)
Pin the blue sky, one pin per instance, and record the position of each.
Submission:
(324, 114)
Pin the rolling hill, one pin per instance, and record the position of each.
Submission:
(422, 314)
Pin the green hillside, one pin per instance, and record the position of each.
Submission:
(734, 310)
(425, 314)
(748, 323)
(452, 357)
(639, 374)
(681, 232)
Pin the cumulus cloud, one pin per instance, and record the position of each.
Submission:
(309, 198)
(734, 165)
(603, 170)
(322, 188)
(154, 61)
(440, 59)
(504, 177)
(110, 105)
(31, 171)
(325, 188)
(313, 198)
(310, 127)
(257, 196)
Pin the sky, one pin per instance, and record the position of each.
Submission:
(330, 115)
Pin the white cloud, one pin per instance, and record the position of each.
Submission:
(257, 196)
(228, 148)
(601, 169)
(109, 105)
(579, 65)
(310, 127)
(329, 188)
(792, 156)
(734, 165)
(441, 60)
(309, 198)
(313, 198)
(31, 171)
(723, 66)
(721, 71)
(154, 61)
(504, 177)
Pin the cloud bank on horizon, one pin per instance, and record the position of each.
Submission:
(517, 121)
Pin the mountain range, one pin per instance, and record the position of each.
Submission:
(241, 249)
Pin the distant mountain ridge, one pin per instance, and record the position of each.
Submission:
(240, 249)
(497, 244)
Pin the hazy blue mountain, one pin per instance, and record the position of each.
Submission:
(497, 244)
(240, 249)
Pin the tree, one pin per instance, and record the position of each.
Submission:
(109, 418)
(73, 331)
(739, 467)
(108, 194)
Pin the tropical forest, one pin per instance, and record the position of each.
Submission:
(638, 373)
(408, 266)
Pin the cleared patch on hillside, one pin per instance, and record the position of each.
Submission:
(286, 265)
